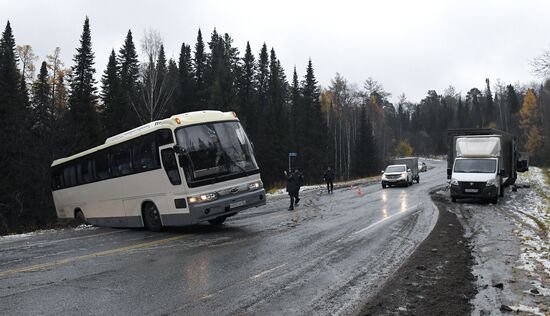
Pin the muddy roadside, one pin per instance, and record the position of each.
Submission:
(436, 279)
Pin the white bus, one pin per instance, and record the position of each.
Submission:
(186, 169)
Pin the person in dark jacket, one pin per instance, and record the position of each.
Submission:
(293, 183)
(329, 179)
(300, 180)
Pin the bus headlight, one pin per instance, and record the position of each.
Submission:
(255, 185)
(454, 181)
(202, 198)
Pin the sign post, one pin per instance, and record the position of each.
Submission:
(291, 155)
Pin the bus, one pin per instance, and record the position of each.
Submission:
(190, 168)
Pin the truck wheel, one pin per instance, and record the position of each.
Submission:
(217, 221)
(453, 199)
(495, 200)
(407, 183)
(151, 217)
(501, 191)
(383, 186)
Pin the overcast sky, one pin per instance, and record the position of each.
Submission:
(408, 46)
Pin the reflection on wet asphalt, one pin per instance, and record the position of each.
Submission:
(326, 257)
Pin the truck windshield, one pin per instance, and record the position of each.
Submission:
(391, 169)
(475, 166)
(215, 151)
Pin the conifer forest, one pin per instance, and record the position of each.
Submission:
(55, 106)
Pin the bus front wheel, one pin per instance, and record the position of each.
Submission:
(151, 217)
(79, 217)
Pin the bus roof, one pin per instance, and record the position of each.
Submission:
(178, 120)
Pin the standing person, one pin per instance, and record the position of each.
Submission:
(300, 182)
(329, 179)
(292, 187)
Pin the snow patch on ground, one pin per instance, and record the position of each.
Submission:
(534, 231)
(85, 227)
(15, 237)
(25, 235)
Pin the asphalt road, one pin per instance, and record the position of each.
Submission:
(325, 258)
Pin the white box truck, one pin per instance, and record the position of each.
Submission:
(481, 162)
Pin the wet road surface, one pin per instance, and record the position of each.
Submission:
(325, 258)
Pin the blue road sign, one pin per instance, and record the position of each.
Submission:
(293, 154)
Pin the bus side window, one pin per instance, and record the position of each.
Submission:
(84, 172)
(145, 154)
(164, 137)
(102, 170)
(170, 165)
(121, 160)
(69, 176)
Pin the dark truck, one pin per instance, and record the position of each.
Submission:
(481, 162)
(412, 163)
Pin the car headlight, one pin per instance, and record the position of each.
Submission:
(404, 175)
(255, 185)
(491, 182)
(202, 198)
(454, 181)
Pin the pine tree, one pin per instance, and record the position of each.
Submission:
(44, 132)
(172, 83)
(261, 138)
(128, 63)
(14, 137)
(41, 100)
(83, 118)
(199, 64)
(185, 95)
(275, 129)
(262, 79)
(314, 155)
(295, 100)
(246, 92)
(113, 107)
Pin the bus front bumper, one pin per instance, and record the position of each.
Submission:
(227, 206)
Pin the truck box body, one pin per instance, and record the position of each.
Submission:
(412, 163)
(484, 142)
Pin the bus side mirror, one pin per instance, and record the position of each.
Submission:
(449, 173)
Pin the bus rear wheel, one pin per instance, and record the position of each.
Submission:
(217, 220)
(151, 217)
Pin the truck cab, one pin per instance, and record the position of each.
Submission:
(476, 178)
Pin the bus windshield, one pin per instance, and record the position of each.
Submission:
(215, 151)
(475, 165)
